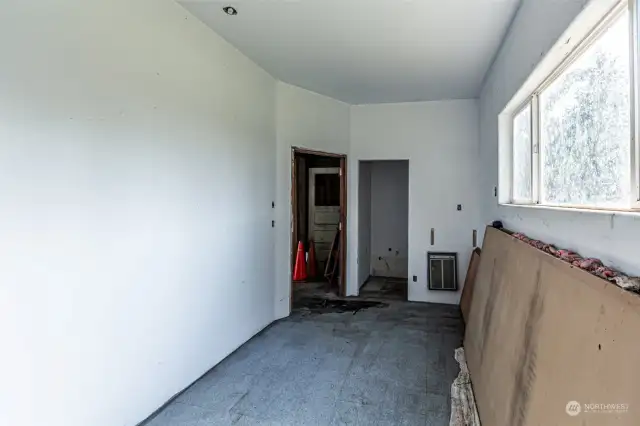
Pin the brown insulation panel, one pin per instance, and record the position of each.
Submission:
(542, 333)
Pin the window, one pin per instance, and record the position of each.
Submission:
(572, 140)
(522, 155)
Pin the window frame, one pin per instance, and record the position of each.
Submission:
(591, 36)
(514, 200)
(635, 109)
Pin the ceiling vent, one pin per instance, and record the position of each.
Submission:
(443, 271)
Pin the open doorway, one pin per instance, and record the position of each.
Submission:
(318, 202)
(383, 229)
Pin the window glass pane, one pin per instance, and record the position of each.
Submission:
(522, 155)
(584, 126)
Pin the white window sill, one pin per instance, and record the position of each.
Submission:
(608, 212)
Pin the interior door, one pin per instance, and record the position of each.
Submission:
(324, 209)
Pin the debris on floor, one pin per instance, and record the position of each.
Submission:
(463, 405)
(385, 288)
(591, 265)
(320, 305)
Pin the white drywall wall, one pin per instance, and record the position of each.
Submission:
(440, 140)
(389, 218)
(304, 120)
(611, 237)
(364, 223)
(138, 169)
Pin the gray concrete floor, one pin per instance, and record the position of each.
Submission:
(390, 365)
(385, 287)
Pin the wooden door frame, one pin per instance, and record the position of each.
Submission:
(343, 214)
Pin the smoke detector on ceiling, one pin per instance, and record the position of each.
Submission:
(230, 10)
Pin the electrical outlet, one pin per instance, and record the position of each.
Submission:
(459, 207)
(415, 278)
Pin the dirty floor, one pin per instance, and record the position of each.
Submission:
(385, 287)
(376, 288)
(387, 364)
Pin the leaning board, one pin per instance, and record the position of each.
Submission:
(469, 282)
(542, 333)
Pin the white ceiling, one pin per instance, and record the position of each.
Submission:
(367, 51)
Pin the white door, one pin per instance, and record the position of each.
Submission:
(324, 210)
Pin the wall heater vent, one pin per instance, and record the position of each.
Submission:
(443, 271)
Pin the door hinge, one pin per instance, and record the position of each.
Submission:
(340, 226)
(340, 172)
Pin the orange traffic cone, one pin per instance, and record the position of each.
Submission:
(300, 269)
(311, 263)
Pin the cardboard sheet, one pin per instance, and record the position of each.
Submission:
(549, 344)
(469, 281)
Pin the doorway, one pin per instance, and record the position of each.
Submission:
(318, 206)
(383, 229)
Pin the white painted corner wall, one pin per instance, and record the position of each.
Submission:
(389, 212)
(611, 237)
(430, 135)
(441, 141)
(137, 178)
(305, 120)
(364, 222)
